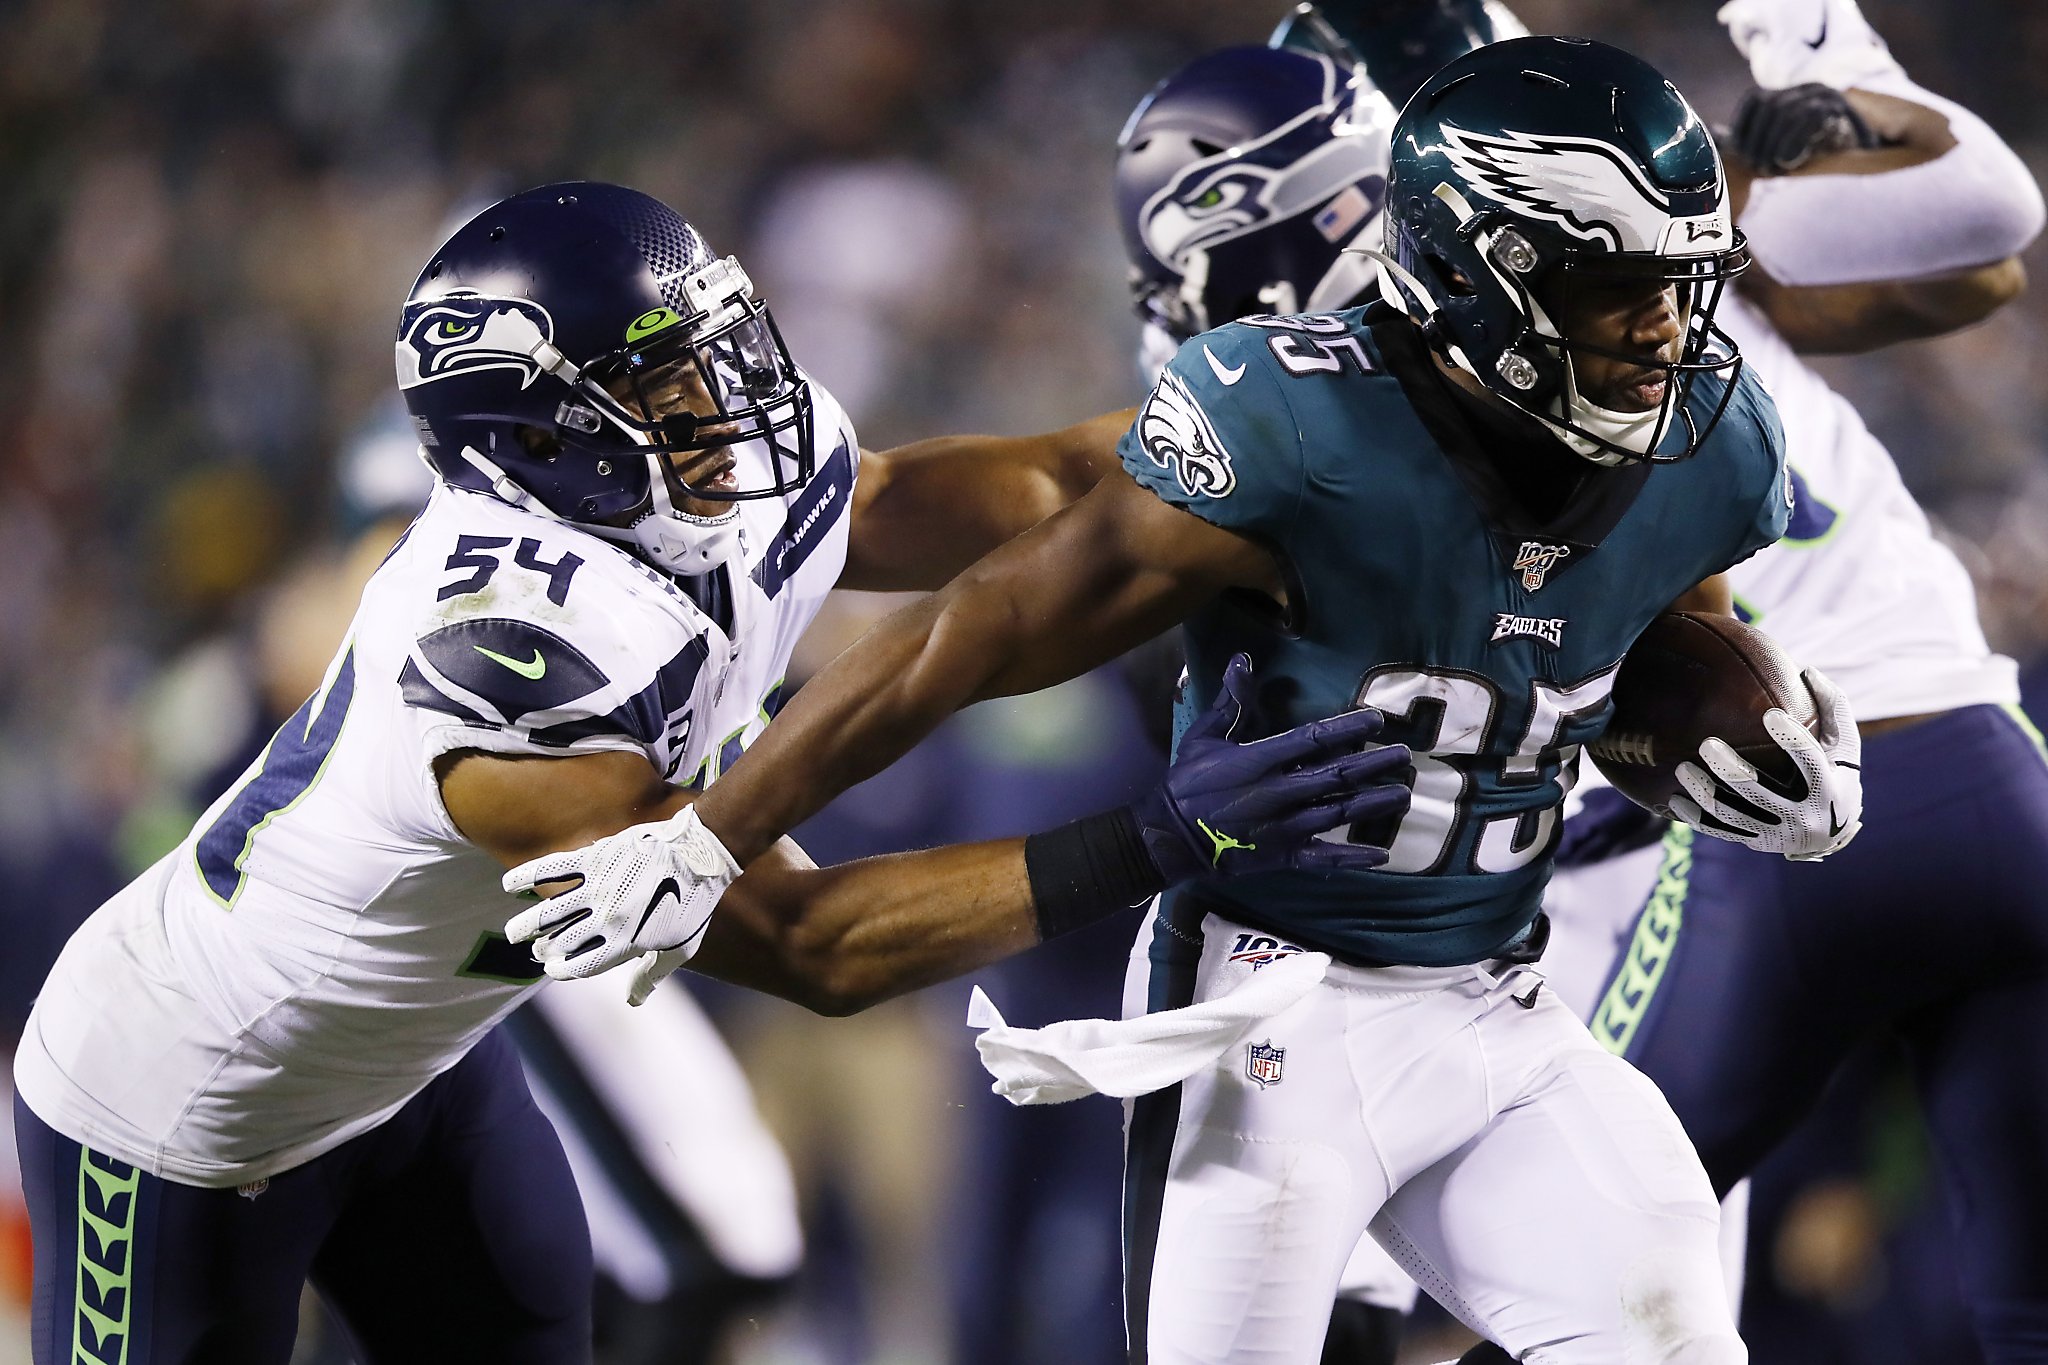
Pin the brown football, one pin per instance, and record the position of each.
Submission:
(1690, 677)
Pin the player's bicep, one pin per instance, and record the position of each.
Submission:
(516, 807)
(924, 511)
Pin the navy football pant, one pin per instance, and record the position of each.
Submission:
(1749, 979)
(450, 1232)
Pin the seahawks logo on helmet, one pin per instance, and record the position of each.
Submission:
(1298, 166)
(462, 332)
(1179, 436)
(1585, 186)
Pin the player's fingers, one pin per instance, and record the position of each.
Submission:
(1707, 798)
(1339, 811)
(1333, 735)
(1323, 855)
(1805, 751)
(1837, 729)
(1689, 813)
(1723, 762)
(1376, 804)
(548, 916)
(579, 951)
(1377, 765)
(527, 877)
(1223, 714)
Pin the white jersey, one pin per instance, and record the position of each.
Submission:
(1859, 587)
(325, 942)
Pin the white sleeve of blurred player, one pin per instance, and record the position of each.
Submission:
(662, 1078)
(1973, 205)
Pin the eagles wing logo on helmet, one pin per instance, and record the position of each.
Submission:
(1179, 436)
(1582, 184)
(462, 332)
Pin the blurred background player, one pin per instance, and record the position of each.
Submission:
(1882, 605)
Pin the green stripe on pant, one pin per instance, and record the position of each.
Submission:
(1649, 952)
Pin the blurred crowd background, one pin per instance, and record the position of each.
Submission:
(211, 211)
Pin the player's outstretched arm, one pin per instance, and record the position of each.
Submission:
(1083, 586)
(1877, 211)
(837, 939)
(925, 511)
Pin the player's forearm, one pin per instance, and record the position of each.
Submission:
(839, 939)
(872, 704)
(1852, 318)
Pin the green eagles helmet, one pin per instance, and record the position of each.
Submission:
(1528, 163)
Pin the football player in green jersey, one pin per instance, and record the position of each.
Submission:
(1459, 506)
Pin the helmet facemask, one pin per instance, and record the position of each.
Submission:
(1605, 435)
(1507, 263)
(688, 392)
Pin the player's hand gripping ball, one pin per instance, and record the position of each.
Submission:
(644, 893)
(1714, 725)
(1230, 808)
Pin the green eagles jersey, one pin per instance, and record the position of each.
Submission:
(1419, 584)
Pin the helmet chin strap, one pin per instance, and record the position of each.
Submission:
(1638, 432)
(678, 541)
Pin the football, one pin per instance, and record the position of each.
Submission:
(1690, 677)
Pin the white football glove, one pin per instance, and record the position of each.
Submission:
(1792, 42)
(1804, 830)
(646, 892)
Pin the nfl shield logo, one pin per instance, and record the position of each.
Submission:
(1263, 1062)
(1534, 561)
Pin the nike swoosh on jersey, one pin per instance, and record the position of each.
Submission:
(1815, 43)
(532, 669)
(1226, 376)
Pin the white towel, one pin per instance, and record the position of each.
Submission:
(1125, 1057)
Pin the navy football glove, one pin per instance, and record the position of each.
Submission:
(1781, 130)
(1231, 809)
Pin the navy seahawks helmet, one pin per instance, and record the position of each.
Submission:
(1400, 43)
(1527, 165)
(1240, 181)
(577, 350)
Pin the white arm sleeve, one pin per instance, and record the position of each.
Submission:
(1974, 204)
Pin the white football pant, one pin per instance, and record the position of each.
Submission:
(1535, 1185)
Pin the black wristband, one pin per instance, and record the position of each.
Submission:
(1089, 870)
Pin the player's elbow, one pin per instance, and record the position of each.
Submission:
(1963, 298)
(827, 973)
(1990, 288)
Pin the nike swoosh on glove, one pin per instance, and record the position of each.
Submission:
(1805, 827)
(644, 893)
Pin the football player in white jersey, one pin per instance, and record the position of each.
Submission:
(1876, 212)
(270, 1058)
